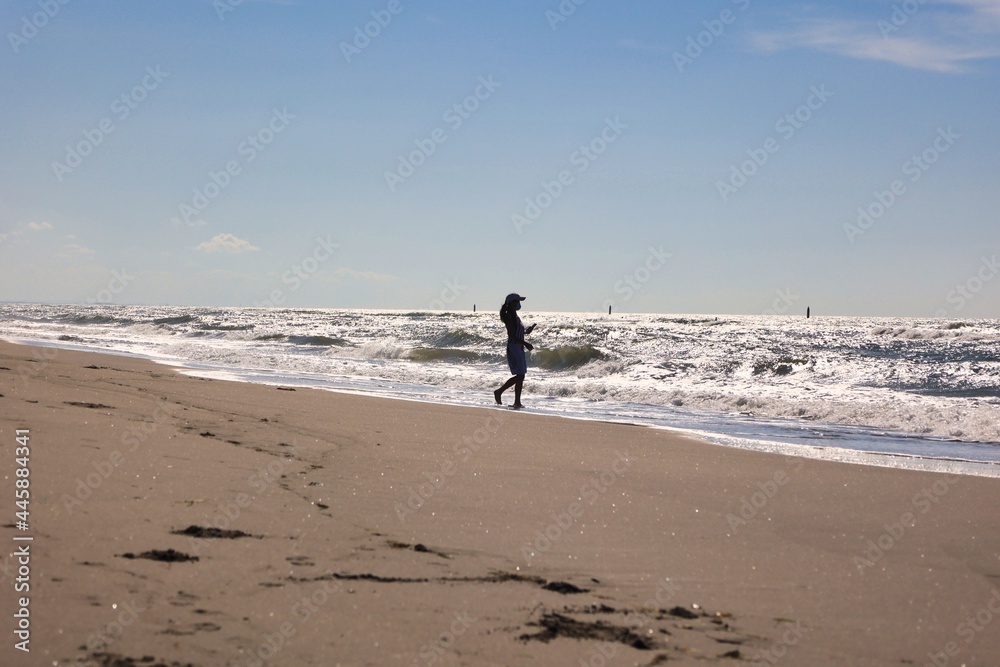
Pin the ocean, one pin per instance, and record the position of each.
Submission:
(901, 392)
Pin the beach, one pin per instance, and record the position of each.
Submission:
(189, 521)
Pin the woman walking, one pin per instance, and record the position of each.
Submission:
(515, 347)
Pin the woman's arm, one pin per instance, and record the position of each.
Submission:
(512, 333)
(511, 328)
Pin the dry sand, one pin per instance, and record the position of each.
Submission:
(386, 532)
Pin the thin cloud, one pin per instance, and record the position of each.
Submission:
(945, 39)
(228, 243)
(23, 227)
(71, 250)
(366, 276)
(982, 9)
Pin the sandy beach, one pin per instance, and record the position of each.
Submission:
(185, 521)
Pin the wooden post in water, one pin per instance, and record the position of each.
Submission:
(609, 310)
(807, 312)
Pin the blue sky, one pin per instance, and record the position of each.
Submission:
(733, 156)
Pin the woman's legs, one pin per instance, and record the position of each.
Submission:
(517, 381)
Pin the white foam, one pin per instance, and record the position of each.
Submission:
(930, 378)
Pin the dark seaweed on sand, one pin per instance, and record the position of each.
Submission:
(116, 660)
(682, 612)
(167, 556)
(556, 625)
(563, 587)
(560, 587)
(218, 533)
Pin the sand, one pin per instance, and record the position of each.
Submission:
(185, 521)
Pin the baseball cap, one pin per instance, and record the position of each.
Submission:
(514, 296)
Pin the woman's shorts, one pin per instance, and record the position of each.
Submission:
(516, 359)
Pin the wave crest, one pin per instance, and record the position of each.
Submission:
(457, 338)
(442, 354)
(324, 341)
(781, 365)
(179, 319)
(566, 357)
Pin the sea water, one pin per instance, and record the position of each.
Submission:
(903, 392)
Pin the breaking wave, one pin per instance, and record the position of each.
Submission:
(323, 341)
(442, 354)
(927, 377)
(566, 357)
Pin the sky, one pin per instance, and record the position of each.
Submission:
(724, 156)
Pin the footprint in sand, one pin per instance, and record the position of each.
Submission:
(191, 629)
(184, 599)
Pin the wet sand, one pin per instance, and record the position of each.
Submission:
(184, 521)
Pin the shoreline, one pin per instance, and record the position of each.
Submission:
(378, 531)
(830, 450)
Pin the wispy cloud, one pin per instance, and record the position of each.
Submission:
(226, 243)
(944, 37)
(982, 9)
(22, 227)
(71, 250)
(366, 276)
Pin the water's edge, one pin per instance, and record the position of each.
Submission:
(837, 443)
